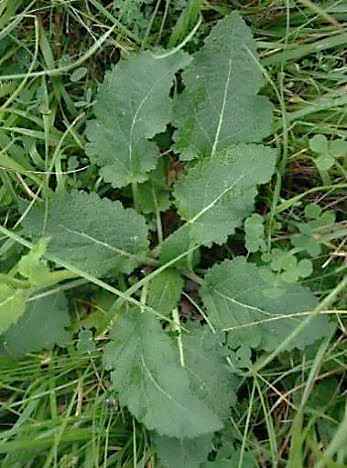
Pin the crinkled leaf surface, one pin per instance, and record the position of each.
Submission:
(219, 106)
(12, 305)
(211, 376)
(164, 291)
(149, 379)
(133, 105)
(41, 327)
(218, 192)
(182, 453)
(234, 294)
(96, 235)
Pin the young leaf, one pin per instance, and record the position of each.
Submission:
(150, 381)
(133, 105)
(218, 192)
(41, 327)
(219, 106)
(234, 294)
(12, 306)
(254, 230)
(32, 267)
(96, 235)
(182, 453)
(164, 291)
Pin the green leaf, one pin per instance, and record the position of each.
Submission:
(12, 306)
(324, 162)
(254, 230)
(133, 105)
(32, 267)
(218, 192)
(41, 327)
(319, 144)
(149, 380)
(182, 453)
(177, 244)
(205, 360)
(78, 74)
(96, 235)
(312, 210)
(85, 343)
(164, 291)
(219, 106)
(234, 294)
(338, 148)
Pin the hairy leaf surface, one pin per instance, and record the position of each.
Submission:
(41, 327)
(133, 105)
(219, 106)
(182, 453)
(234, 294)
(211, 376)
(149, 380)
(96, 235)
(218, 192)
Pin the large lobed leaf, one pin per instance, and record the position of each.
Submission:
(96, 235)
(164, 292)
(133, 105)
(219, 106)
(235, 295)
(218, 192)
(149, 379)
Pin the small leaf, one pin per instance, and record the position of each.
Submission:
(307, 243)
(93, 234)
(219, 106)
(164, 292)
(319, 144)
(218, 192)
(12, 306)
(85, 343)
(254, 230)
(338, 148)
(133, 105)
(78, 74)
(324, 162)
(41, 327)
(305, 268)
(148, 378)
(32, 267)
(312, 210)
(233, 293)
(182, 453)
